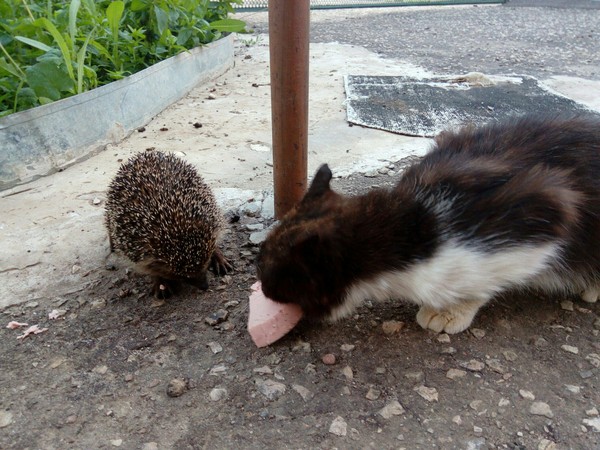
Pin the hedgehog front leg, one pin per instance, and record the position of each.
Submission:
(219, 264)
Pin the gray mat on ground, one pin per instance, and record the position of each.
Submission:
(424, 107)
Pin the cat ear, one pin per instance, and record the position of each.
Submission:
(320, 183)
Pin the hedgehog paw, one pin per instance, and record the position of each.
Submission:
(219, 264)
(162, 289)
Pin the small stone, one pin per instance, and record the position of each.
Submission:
(116, 442)
(271, 389)
(476, 444)
(304, 393)
(347, 372)
(177, 387)
(475, 405)
(429, 394)
(597, 323)
(255, 226)
(527, 395)
(503, 402)
(585, 374)
(218, 394)
(210, 96)
(594, 359)
(71, 419)
(218, 370)
(567, 305)
(393, 408)
(338, 426)
(215, 347)
(301, 346)
(392, 326)
(592, 412)
(227, 326)
(264, 370)
(444, 338)
(477, 429)
(150, 446)
(416, 376)
(328, 359)
(56, 362)
(573, 389)
(541, 409)
(310, 369)
(546, 444)
(448, 351)
(231, 303)
(347, 347)
(56, 313)
(453, 374)
(570, 349)
(509, 355)
(251, 209)
(473, 365)
(373, 394)
(495, 365)
(540, 342)
(98, 304)
(100, 370)
(217, 317)
(457, 420)
(75, 269)
(379, 370)
(258, 237)
(128, 377)
(6, 418)
(478, 333)
(594, 423)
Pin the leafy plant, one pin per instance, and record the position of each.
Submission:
(52, 49)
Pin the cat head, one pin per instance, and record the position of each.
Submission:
(300, 262)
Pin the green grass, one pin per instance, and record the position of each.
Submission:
(52, 49)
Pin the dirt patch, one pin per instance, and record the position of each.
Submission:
(119, 369)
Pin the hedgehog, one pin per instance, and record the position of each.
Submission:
(163, 217)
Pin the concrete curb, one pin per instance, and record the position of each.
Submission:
(46, 139)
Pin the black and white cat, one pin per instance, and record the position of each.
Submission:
(504, 206)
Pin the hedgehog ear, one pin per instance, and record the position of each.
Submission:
(320, 183)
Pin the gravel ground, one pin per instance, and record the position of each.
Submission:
(115, 368)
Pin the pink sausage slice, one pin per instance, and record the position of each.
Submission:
(269, 321)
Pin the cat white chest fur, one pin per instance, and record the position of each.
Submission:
(452, 284)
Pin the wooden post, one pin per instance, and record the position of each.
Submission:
(289, 23)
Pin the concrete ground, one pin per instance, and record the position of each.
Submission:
(52, 230)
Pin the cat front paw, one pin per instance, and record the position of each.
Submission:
(590, 295)
(450, 321)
